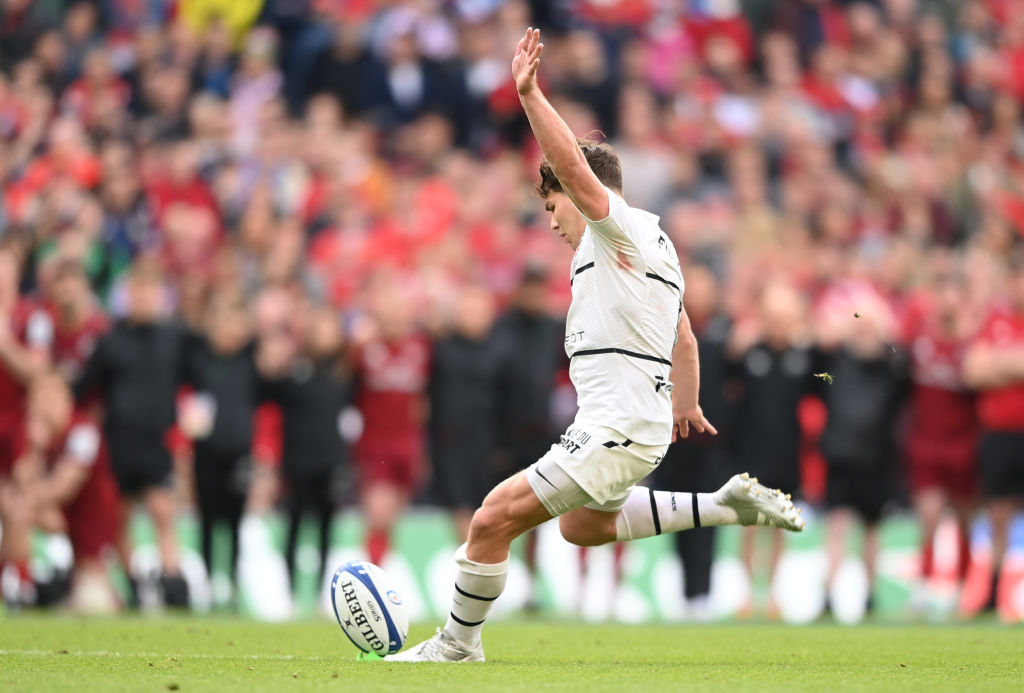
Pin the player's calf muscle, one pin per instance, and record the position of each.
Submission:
(508, 511)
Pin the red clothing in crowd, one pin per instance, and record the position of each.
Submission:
(943, 427)
(32, 326)
(93, 516)
(1002, 408)
(393, 378)
(84, 98)
(72, 347)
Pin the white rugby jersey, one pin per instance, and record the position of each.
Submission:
(627, 296)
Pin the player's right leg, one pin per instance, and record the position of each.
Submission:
(511, 509)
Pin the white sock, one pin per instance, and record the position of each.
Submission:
(477, 585)
(647, 513)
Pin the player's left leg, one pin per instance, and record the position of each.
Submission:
(644, 512)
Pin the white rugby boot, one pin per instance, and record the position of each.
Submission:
(440, 648)
(756, 504)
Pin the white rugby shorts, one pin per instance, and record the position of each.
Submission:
(591, 466)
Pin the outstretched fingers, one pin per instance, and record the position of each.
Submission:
(521, 46)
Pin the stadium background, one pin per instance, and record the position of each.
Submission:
(302, 153)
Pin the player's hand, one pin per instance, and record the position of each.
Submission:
(527, 60)
(685, 418)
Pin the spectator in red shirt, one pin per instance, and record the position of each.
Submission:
(78, 321)
(994, 364)
(392, 373)
(943, 428)
(71, 487)
(25, 333)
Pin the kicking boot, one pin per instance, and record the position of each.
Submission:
(756, 504)
(440, 648)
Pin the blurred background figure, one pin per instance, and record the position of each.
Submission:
(218, 417)
(71, 488)
(463, 408)
(392, 369)
(312, 388)
(995, 365)
(79, 321)
(942, 435)
(26, 333)
(701, 461)
(135, 371)
(864, 391)
(529, 342)
(773, 365)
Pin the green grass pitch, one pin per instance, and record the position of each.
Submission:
(47, 653)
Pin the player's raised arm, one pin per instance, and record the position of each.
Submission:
(556, 140)
(685, 377)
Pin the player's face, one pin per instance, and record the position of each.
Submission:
(566, 220)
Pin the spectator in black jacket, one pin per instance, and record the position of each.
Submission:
(529, 342)
(312, 392)
(774, 371)
(702, 461)
(531, 351)
(135, 370)
(869, 385)
(463, 405)
(220, 365)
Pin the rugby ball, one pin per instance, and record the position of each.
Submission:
(369, 609)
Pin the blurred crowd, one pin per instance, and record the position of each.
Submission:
(287, 254)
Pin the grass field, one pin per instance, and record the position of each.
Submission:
(46, 653)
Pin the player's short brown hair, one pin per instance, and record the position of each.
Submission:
(603, 160)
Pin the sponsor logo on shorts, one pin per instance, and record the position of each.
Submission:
(574, 439)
